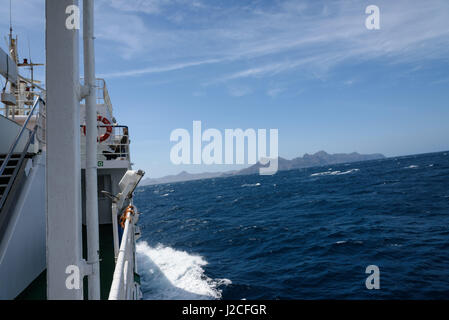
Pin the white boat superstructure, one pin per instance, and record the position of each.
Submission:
(66, 178)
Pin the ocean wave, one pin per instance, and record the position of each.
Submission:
(333, 173)
(349, 171)
(250, 185)
(169, 274)
(349, 242)
(367, 217)
(411, 167)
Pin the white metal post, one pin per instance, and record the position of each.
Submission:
(64, 237)
(91, 151)
(115, 229)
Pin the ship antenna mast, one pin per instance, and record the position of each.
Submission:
(12, 42)
(10, 19)
(31, 65)
(10, 37)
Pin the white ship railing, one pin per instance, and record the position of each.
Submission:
(24, 103)
(116, 147)
(103, 94)
(123, 286)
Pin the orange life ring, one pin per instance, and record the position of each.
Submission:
(108, 132)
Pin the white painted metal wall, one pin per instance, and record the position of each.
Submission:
(22, 248)
(8, 133)
(8, 68)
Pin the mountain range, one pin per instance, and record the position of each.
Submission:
(320, 158)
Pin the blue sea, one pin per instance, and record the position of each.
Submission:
(300, 234)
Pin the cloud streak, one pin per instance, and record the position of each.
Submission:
(255, 41)
(267, 40)
(150, 70)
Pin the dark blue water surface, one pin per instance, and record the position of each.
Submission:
(308, 233)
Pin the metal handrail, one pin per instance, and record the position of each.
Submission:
(122, 281)
(16, 169)
(102, 93)
(106, 98)
(19, 135)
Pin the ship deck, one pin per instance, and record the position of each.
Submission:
(37, 290)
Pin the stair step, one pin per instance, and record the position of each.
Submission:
(8, 170)
(3, 185)
(10, 160)
(14, 155)
(4, 180)
(17, 155)
(11, 163)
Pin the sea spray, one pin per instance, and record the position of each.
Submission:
(172, 274)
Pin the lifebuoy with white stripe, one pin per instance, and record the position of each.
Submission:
(108, 127)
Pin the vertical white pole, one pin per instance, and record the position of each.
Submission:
(63, 173)
(91, 151)
(115, 229)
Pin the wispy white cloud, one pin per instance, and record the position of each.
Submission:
(198, 94)
(149, 70)
(274, 92)
(289, 36)
(251, 41)
(256, 40)
(28, 21)
(124, 38)
(151, 6)
(145, 6)
(239, 90)
(24, 13)
(267, 69)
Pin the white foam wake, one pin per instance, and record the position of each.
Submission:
(251, 184)
(333, 173)
(170, 274)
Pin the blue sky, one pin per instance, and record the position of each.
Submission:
(308, 68)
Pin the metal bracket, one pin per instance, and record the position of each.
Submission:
(84, 91)
(109, 195)
(87, 266)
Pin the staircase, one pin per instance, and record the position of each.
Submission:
(22, 205)
(22, 221)
(8, 175)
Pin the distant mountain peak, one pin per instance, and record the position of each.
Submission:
(320, 158)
